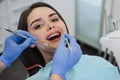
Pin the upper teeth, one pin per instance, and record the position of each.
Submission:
(53, 35)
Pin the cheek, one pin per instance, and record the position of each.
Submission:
(40, 36)
(63, 27)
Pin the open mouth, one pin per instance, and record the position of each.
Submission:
(54, 36)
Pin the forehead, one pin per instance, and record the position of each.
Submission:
(41, 11)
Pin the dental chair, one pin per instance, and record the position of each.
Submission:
(26, 65)
(33, 60)
(15, 72)
(109, 56)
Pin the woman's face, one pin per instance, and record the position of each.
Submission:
(47, 27)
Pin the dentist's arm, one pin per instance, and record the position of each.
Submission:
(2, 66)
(55, 77)
(64, 59)
(14, 45)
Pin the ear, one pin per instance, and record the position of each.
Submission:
(32, 46)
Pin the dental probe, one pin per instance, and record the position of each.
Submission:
(23, 36)
(69, 47)
(16, 33)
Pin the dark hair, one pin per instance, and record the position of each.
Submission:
(32, 56)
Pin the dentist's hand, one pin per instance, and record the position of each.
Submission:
(14, 45)
(64, 59)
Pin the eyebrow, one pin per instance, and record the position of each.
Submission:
(52, 14)
(40, 18)
(35, 21)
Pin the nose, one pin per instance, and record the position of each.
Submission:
(50, 27)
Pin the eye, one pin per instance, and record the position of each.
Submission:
(38, 26)
(55, 20)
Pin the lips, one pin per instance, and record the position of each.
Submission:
(54, 36)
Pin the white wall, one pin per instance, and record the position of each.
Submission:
(112, 14)
(116, 9)
(3, 22)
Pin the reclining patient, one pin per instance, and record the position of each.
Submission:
(50, 46)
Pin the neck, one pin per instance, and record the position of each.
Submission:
(47, 56)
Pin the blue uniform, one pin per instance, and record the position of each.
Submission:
(88, 68)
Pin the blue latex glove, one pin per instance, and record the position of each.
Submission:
(14, 45)
(64, 59)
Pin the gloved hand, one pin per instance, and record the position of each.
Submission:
(64, 59)
(14, 45)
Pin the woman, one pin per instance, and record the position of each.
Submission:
(52, 53)
(46, 24)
